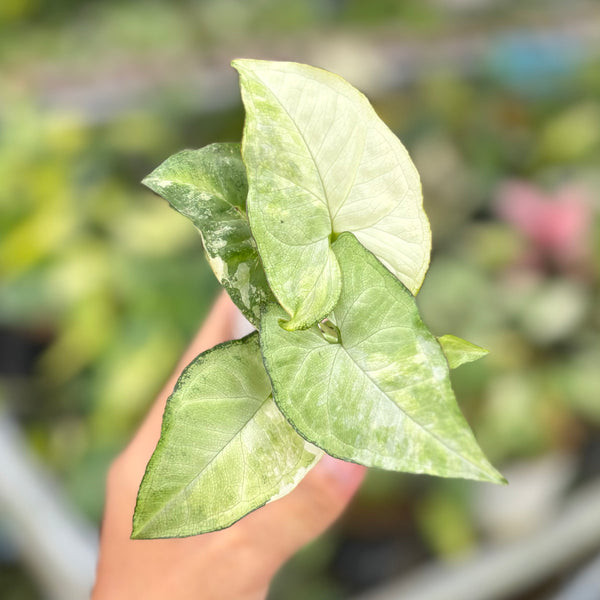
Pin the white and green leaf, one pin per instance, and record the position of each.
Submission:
(381, 396)
(320, 162)
(209, 187)
(225, 449)
(459, 352)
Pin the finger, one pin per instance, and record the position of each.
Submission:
(284, 526)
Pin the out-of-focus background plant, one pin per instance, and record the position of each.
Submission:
(101, 285)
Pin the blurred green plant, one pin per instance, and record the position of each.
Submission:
(99, 273)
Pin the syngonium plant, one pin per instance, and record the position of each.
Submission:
(315, 227)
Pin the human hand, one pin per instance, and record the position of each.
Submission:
(235, 563)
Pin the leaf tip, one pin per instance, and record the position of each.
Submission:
(289, 324)
(137, 530)
(459, 352)
(139, 520)
(152, 182)
(491, 475)
(147, 181)
(498, 479)
(144, 526)
(241, 64)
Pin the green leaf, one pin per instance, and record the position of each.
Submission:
(381, 396)
(459, 351)
(320, 162)
(209, 187)
(225, 449)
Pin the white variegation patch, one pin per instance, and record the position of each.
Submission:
(209, 187)
(320, 162)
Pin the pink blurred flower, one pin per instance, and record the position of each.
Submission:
(557, 226)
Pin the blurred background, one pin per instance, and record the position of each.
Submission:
(102, 285)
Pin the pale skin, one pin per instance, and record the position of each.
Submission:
(235, 563)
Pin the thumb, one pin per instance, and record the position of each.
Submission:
(284, 526)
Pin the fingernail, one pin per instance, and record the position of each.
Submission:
(241, 325)
(348, 475)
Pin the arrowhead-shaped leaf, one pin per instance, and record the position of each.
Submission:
(209, 187)
(459, 351)
(381, 396)
(225, 449)
(321, 162)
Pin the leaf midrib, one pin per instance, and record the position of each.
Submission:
(188, 485)
(410, 417)
(306, 145)
(195, 188)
